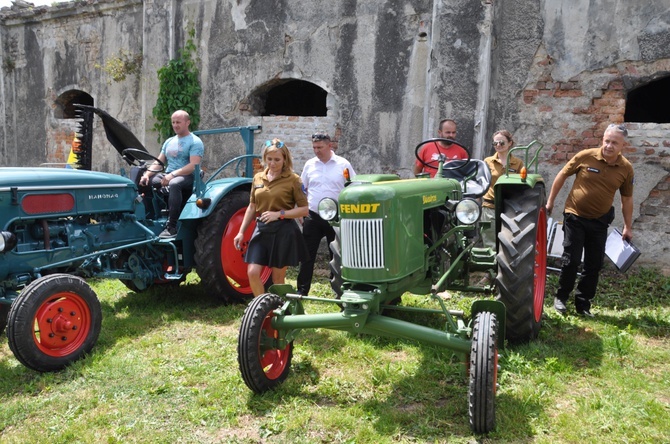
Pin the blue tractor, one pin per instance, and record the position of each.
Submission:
(60, 226)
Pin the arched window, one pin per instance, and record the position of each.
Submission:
(294, 98)
(64, 103)
(649, 103)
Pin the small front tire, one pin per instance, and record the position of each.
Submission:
(483, 373)
(263, 366)
(53, 322)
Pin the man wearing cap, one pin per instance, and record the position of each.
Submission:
(599, 173)
(322, 176)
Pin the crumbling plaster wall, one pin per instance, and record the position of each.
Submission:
(563, 69)
(556, 71)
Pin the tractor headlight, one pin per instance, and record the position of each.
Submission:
(467, 212)
(7, 241)
(328, 209)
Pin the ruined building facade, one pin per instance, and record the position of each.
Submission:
(378, 75)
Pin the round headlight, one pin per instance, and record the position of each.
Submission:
(328, 209)
(467, 212)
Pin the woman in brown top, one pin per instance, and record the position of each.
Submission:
(276, 198)
(502, 143)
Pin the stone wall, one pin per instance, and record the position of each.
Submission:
(557, 72)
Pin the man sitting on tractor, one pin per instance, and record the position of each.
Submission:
(182, 153)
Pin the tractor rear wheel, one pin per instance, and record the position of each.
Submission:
(483, 373)
(4, 312)
(335, 264)
(262, 364)
(219, 264)
(53, 322)
(522, 260)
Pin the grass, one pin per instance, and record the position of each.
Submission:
(165, 370)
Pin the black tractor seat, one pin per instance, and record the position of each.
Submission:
(475, 177)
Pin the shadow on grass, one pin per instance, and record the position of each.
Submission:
(130, 315)
(427, 402)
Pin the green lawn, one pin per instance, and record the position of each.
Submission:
(165, 370)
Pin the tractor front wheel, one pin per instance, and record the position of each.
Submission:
(522, 260)
(53, 322)
(220, 265)
(263, 365)
(483, 373)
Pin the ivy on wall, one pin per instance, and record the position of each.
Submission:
(179, 88)
(121, 66)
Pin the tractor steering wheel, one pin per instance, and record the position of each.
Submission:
(456, 165)
(140, 158)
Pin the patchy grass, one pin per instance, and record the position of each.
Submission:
(165, 370)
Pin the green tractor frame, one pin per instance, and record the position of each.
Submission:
(420, 236)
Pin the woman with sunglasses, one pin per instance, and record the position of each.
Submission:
(277, 197)
(502, 143)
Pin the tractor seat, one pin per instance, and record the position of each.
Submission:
(475, 177)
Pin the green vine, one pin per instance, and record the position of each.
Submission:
(121, 66)
(179, 88)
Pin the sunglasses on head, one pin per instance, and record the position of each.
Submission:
(279, 144)
(618, 127)
(320, 136)
(499, 142)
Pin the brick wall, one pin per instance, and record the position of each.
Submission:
(568, 116)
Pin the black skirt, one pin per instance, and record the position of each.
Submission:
(283, 247)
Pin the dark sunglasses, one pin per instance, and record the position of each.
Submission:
(320, 136)
(499, 142)
(279, 144)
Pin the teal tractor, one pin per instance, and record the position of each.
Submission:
(60, 227)
(421, 236)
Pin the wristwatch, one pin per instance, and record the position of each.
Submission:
(281, 215)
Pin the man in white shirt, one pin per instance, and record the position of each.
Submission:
(322, 176)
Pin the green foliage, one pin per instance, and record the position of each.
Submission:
(121, 66)
(179, 89)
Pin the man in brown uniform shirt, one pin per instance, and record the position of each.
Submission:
(600, 172)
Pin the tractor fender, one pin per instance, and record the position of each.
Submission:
(215, 191)
(515, 179)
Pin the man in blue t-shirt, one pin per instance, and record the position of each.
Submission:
(180, 153)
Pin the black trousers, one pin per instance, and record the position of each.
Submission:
(313, 230)
(177, 187)
(589, 236)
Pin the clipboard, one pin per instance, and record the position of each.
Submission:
(620, 252)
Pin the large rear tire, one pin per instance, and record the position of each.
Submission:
(483, 373)
(262, 365)
(53, 322)
(522, 260)
(219, 264)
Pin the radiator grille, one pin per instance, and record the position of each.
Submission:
(362, 243)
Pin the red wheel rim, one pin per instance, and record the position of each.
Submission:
(62, 324)
(540, 269)
(232, 259)
(273, 361)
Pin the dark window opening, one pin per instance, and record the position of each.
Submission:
(649, 103)
(296, 98)
(65, 103)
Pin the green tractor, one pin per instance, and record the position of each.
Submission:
(420, 236)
